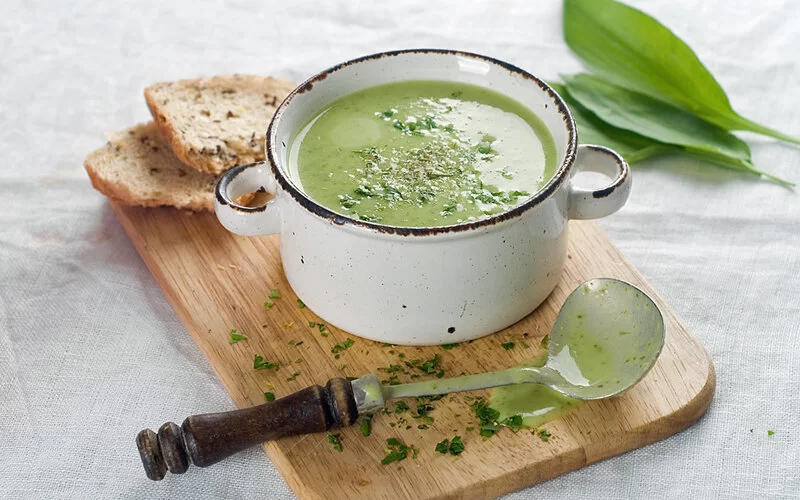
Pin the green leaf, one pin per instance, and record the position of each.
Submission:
(592, 130)
(652, 118)
(635, 51)
(662, 123)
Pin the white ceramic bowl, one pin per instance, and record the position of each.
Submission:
(421, 286)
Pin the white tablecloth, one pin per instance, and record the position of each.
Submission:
(90, 351)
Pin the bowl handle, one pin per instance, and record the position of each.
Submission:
(593, 204)
(239, 219)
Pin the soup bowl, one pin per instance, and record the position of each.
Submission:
(422, 285)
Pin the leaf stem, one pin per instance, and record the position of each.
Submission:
(751, 126)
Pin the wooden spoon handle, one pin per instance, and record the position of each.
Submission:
(206, 439)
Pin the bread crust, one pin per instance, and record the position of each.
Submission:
(123, 171)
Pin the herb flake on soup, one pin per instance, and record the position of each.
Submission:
(422, 153)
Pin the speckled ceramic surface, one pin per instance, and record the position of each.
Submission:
(421, 286)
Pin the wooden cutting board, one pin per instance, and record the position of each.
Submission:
(217, 281)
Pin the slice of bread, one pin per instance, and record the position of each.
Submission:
(137, 167)
(214, 124)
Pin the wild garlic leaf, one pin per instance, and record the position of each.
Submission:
(728, 162)
(652, 118)
(635, 148)
(633, 50)
(592, 130)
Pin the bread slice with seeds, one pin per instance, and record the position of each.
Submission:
(214, 124)
(137, 167)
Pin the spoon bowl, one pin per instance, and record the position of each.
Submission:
(606, 337)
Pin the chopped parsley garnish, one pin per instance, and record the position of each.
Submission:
(341, 346)
(456, 445)
(447, 347)
(274, 294)
(366, 425)
(301, 304)
(544, 435)
(396, 451)
(545, 342)
(770, 433)
(336, 441)
(431, 366)
(260, 364)
(453, 446)
(268, 305)
(423, 408)
(508, 345)
(341, 366)
(487, 417)
(514, 422)
(401, 407)
(423, 427)
(293, 377)
(296, 342)
(269, 396)
(236, 336)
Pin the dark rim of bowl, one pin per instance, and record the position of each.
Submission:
(544, 193)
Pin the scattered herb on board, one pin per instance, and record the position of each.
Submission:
(236, 336)
(293, 377)
(366, 425)
(392, 370)
(268, 305)
(274, 294)
(301, 304)
(545, 342)
(269, 396)
(487, 417)
(431, 366)
(543, 434)
(423, 408)
(320, 326)
(401, 407)
(456, 445)
(296, 342)
(396, 451)
(260, 364)
(508, 345)
(513, 422)
(453, 446)
(336, 441)
(665, 102)
(341, 346)
(447, 347)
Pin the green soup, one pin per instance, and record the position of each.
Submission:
(422, 153)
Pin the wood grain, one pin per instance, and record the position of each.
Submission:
(216, 281)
